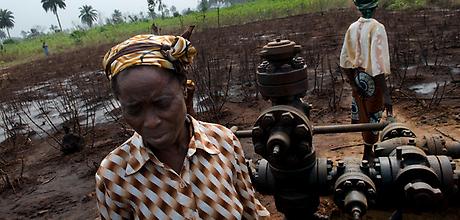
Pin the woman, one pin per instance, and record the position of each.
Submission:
(173, 166)
(366, 62)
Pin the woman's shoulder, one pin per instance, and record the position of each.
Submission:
(213, 128)
(118, 157)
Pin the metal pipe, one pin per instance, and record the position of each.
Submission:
(329, 129)
(243, 134)
(453, 149)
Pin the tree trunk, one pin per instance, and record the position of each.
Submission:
(218, 17)
(8, 31)
(59, 22)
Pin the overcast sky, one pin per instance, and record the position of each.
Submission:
(29, 13)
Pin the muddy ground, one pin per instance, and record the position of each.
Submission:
(38, 181)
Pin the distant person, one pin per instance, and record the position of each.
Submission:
(174, 166)
(45, 48)
(154, 29)
(366, 62)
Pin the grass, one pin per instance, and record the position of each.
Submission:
(30, 49)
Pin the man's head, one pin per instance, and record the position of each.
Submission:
(366, 7)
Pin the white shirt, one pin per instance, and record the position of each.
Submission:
(366, 46)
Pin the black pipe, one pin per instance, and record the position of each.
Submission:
(329, 129)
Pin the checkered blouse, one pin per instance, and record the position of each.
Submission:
(214, 183)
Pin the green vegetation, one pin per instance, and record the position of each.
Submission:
(117, 30)
(6, 20)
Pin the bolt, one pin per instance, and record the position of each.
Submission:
(407, 133)
(377, 166)
(304, 148)
(341, 163)
(347, 184)
(356, 213)
(394, 133)
(276, 150)
(329, 161)
(256, 132)
(287, 117)
(453, 165)
(361, 184)
(371, 192)
(364, 163)
(259, 148)
(340, 167)
(263, 66)
(268, 120)
(338, 191)
(378, 177)
(444, 150)
(298, 62)
(301, 130)
(412, 141)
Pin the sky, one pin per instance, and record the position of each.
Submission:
(29, 13)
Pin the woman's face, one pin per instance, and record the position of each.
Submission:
(152, 102)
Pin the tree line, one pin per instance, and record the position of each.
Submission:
(88, 15)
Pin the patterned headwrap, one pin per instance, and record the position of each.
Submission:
(165, 51)
(366, 4)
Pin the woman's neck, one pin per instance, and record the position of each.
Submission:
(367, 13)
(174, 155)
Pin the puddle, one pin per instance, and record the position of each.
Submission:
(426, 88)
(455, 70)
(409, 67)
(267, 37)
(43, 116)
(43, 109)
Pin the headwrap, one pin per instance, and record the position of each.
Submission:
(165, 51)
(366, 4)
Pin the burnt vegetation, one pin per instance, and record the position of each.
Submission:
(424, 47)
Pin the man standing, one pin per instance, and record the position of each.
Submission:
(365, 60)
(45, 48)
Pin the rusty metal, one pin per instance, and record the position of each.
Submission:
(401, 175)
(395, 130)
(353, 188)
(282, 134)
(280, 50)
(282, 76)
(412, 178)
(430, 144)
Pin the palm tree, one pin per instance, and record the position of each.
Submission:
(88, 15)
(152, 4)
(2, 35)
(6, 20)
(52, 5)
(117, 17)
